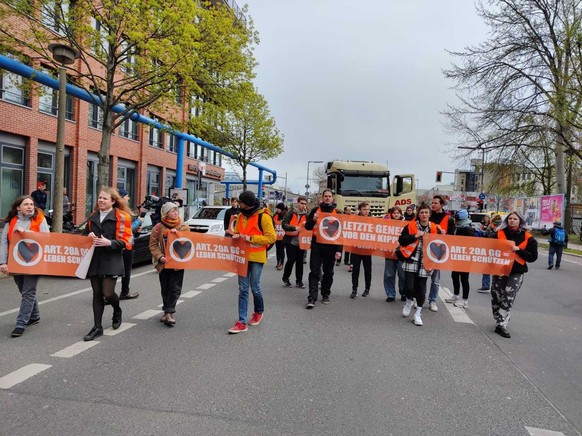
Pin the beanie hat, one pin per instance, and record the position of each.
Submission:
(123, 192)
(557, 223)
(461, 214)
(248, 198)
(281, 206)
(168, 206)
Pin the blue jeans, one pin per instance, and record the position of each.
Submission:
(486, 281)
(557, 249)
(28, 305)
(435, 280)
(391, 268)
(253, 278)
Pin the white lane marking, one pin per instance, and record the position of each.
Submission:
(190, 294)
(177, 302)
(75, 349)
(541, 432)
(206, 286)
(124, 326)
(22, 374)
(271, 255)
(147, 314)
(70, 294)
(219, 279)
(229, 275)
(458, 315)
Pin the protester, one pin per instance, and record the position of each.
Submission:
(364, 259)
(66, 201)
(415, 274)
(347, 211)
(558, 240)
(445, 221)
(254, 226)
(409, 215)
(323, 256)
(291, 224)
(394, 266)
(170, 279)
(233, 211)
(40, 196)
(127, 253)
(109, 226)
(280, 212)
(23, 216)
(504, 288)
(463, 227)
(485, 278)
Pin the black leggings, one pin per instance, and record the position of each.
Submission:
(463, 277)
(366, 260)
(103, 287)
(415, 287)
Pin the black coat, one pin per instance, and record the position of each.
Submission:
(529, 254)
(106, 261)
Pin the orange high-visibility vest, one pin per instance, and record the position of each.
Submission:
(413, 230)
(35, 223)
(295, 222)
(444, 224)
(501, 235)
(250, 227)
(123, 230)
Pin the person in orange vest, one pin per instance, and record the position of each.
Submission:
(109, 226)
(280, 212)
(323, 256)
(23, 216)
(255, 226)
(291, 223)
(415, 274)
(446, 222)
(504, 288)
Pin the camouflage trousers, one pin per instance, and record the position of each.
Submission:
(503, 292)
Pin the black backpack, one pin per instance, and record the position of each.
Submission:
(261, 226)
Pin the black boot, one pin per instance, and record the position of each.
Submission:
(354, 293)
(94, 333)
(366, 293)
(116, 320)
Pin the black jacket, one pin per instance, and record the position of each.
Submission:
(227, 215)
(106, 261)
(529, 254)
(310, 223)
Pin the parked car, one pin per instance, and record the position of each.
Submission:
(477, 219)
(141, 242)
(209, 220)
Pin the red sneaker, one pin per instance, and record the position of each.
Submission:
(256, 319)
(238, 327)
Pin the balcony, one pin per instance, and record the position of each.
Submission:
(231, 4)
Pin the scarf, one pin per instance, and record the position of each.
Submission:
(462, 223)
(170, 224)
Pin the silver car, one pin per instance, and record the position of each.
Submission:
(209, 220)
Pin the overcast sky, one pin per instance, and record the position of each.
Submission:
(361, 80)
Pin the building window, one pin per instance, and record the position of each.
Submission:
(95, 116)
(54, 14)
(153, 182)
(11, 176)
(172, 143)
(126, 180)
(13, 88)
(129, 129)
(49, 102)
(100, 44)
(170, 183)
(128, 59)
(156, 137)
(192, 149)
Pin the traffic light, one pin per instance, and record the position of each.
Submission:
(439, 176)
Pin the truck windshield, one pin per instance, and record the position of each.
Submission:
(364, 186)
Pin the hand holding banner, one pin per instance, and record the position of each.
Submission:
(468, 254)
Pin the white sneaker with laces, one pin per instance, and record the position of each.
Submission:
(433, 306)
(406, 308)
(462, 304)
(417, 318)
(452, 299)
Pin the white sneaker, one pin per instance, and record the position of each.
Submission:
(453, 299)
(406, 308)
(483, 290)
(462, 304)
(417, 318)
(433, 307)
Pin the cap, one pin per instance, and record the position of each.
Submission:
(123, 192)
(248, 197)
(461, 214)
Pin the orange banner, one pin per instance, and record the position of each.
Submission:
(305, 238)
(231, 225)
(468, 254)
(279, 230)
(189, 250)
(359, 231)
(388, 254)
(47, 254)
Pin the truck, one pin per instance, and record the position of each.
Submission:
(355, 181)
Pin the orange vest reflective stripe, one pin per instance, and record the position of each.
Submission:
(123, 230)
(295, 221)
(444, 224)
(501, 235)
(413, 230)
(34, 224)
(250, 226)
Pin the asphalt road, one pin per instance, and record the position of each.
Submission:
(350, 367)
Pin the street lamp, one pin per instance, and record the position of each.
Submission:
(64, 55)
(307, 183)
